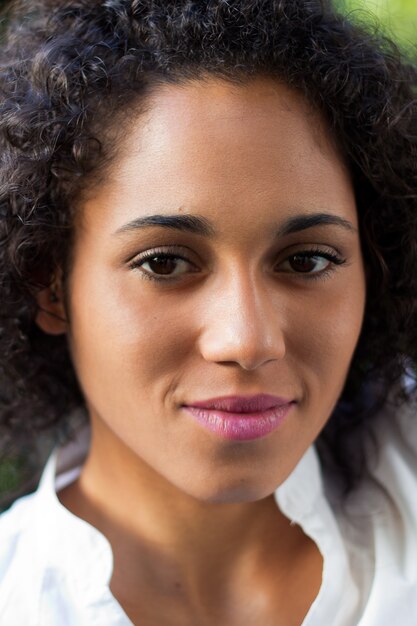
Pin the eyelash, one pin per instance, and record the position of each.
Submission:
(172, 253)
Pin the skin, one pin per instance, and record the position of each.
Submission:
(196, 534)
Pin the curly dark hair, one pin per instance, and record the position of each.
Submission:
(71, 68)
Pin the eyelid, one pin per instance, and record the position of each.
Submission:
(306, 247)
(160, 249)
(312, 253)
(180, 252)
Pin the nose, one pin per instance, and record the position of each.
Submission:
(242, 324)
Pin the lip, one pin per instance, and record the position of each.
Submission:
(241, 418)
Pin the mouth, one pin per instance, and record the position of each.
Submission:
(241, 418)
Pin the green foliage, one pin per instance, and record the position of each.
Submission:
(398, 17)
(10, 474)
(18, 476)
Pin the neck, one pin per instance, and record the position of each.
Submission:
(163, 538)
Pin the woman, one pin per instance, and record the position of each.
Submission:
(209, 248)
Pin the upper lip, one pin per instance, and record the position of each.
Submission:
(242, 404)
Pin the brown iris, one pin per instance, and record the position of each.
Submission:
(303, 263)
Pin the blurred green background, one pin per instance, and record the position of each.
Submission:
(398, 17)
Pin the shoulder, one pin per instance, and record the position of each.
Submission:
(41, 548)
(389, 485)
(18, 559)
(395, 445)
(14, 530)
(393, 466)
(380, 517)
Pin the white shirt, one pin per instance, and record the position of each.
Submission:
(55, 568)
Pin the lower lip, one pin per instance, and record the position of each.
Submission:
(240, 426)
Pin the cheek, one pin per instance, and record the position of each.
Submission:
(326, 334)
(121, 332)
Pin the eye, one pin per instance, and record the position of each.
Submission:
(316, 262)
(156, 265)
(164, 264)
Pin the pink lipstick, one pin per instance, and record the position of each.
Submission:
(241, 417)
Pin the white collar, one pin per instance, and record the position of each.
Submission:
(70, 544)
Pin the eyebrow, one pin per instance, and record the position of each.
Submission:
(302, 222)
(199, 225)
(189, 223)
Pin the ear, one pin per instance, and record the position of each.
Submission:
(51, 315)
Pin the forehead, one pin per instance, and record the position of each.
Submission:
(214, 146)
(233, 114)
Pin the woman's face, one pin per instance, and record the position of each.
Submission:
(264, 292)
